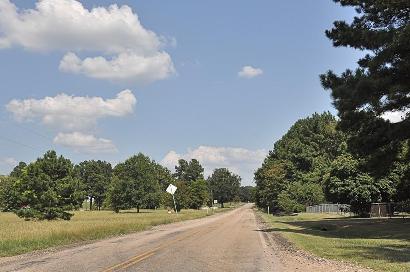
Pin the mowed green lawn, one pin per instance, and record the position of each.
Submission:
(18, 236)
(381, 244)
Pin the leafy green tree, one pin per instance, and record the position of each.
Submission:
(96, 176)
(199, 194)
(348, 183)
(120, 194)
(140, 174)
(288, 204)
(309, 147)
(270, 180)
(380, 84)
(298, 195)
(398, 177)
(189, 196)
(164, 176)
(9, 197)
(189, 171)
(224, 185)
(299, 163)
(18, 170)
(47, 189)
(182, 196)
(247, 193)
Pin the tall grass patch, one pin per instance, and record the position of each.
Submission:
(18, 236)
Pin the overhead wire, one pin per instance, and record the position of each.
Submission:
(26, 129)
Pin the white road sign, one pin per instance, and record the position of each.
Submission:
(171, 189)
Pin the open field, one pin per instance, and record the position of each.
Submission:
(381, 244)
(18, 236)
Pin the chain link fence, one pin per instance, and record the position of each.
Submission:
(329, 208)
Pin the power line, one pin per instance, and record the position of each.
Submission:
(18, 143)
(28, 129)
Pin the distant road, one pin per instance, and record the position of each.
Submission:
(224, 242)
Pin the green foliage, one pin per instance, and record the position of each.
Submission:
(120, 194)
(299, 164)
(182, 196)
(311, 164)
(347, 183)
(403, 207)
(139, 176)
(288, 204)
(46, 189)
(199, 194)
(399, 175)
(18, 170)
(224, 185)
(189, 196)
(193, 191)
(298, 195)
(9, 197)
(247, 194)
(189, 171)
(309, 147)
(96, 176)
(270, 181)
(381, 82)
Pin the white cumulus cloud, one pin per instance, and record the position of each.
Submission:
(72, 112)
(114, 32)
(395, 116)
(124, 67)
(85, 143)
(250, 72)
(241, 161)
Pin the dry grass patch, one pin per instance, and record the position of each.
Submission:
(18, 236)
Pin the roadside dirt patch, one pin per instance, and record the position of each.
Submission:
(294, 259)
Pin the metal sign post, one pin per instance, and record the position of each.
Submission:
(171, 189)
(175, 205)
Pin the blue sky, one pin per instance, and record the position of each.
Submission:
(191, 100)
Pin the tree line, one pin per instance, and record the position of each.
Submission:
(362, 156)
(312, 164)
(52, 186)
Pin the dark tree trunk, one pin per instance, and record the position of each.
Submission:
(91, 203)
(138, 209)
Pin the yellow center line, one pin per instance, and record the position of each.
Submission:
(136, 259)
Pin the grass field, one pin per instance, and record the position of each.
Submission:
(18, 236)
(381, 244)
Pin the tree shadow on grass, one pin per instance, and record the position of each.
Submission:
(135, 212)
(390, 253)
(356, 228)
(353, 228)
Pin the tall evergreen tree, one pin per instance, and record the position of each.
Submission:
(381, 83)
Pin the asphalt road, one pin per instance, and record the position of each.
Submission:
(224, 242)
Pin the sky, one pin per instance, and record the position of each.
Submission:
(219, 81)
